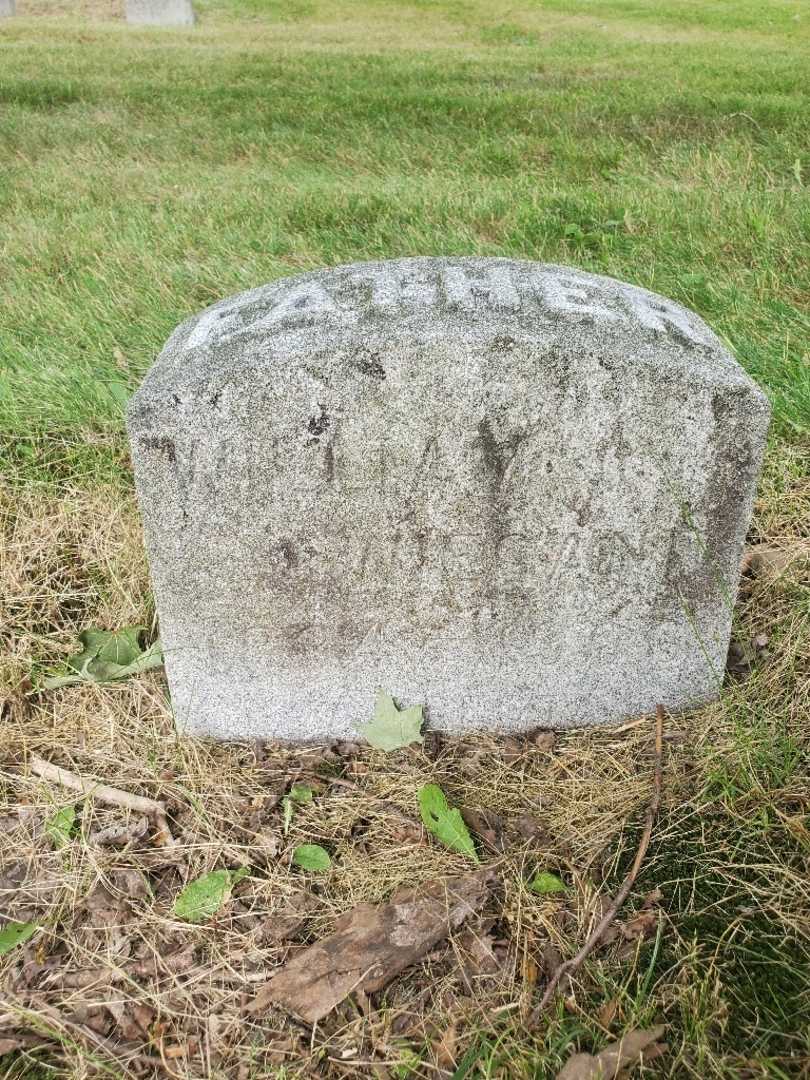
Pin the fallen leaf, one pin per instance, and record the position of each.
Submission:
(477, 958)
(60, 826)
(486, 824)
(607, 1014)
(287, 920)
(204, 897)
(544, 883)
(7, 1046)
(642, 925)
(311, 857)
(544, 740)
(529, 827)
(445, 1048)
(392, 728)
(15, 933)
(371, 945)
(108, 656)
(761, 560)
(445, 823)
(634, 1047)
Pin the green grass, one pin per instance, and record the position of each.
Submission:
(145, 174)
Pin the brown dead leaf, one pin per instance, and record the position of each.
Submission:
(288, 920)
(371, 945)
(445, 1048)
(607, 1014)
(544, 740)
(513, 750)
(764, 561)
(631, 1049)
(529, 827)
(640, 926)
(477, 956)
(155, 966)
(133, 1020)
(487, 825)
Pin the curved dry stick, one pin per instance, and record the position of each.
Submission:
(576, 962)
(110, 795)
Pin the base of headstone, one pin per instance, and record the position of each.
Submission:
(6, 8)
(159, 12)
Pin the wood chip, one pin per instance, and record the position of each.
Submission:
(371, 945)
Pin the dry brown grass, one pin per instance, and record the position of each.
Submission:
(114, 982)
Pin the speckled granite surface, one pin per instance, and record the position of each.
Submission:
(515, 492)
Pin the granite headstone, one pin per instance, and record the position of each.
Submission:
(514, 492)
(160, 12)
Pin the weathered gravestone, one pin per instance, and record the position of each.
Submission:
(7, 7)
(517, 493)
(160, 12)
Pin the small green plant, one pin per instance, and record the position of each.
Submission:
(15, 933)
(204, 897)
(107, 657)
(544, 883)
(444, 821)
(59, 828)
(298, 794)
(312, 857)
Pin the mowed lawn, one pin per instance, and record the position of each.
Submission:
(145, 174)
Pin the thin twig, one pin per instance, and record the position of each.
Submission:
(110, 795)
(576, 962)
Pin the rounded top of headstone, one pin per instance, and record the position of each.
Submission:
(366, 308)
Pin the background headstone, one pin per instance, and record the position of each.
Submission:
(6, 8)
(160, 12)
(517, 493)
